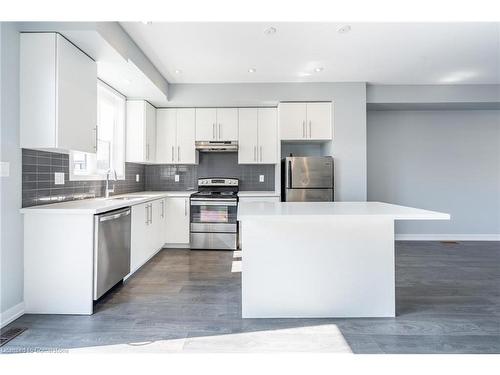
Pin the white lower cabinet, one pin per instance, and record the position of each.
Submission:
(148, 231)
(177, 216)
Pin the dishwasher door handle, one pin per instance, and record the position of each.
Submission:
(115, 216)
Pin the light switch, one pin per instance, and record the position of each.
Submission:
(137, 178)
(58, 178)
(4, 169)
(261, 178)
(176, 178)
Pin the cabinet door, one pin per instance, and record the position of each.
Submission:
(268, 136)
(177, 216)
(140, 242)
(150, 119)
(319, 121)
(76, 98)
(157, 225)
(186, 125)
(248, 135)
(136, 136)
(166, 134)
(292, 120)
(206, 124)
(227, 124)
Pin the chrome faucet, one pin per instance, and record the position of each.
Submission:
(108, 190)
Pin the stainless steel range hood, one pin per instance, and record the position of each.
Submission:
(217, 146)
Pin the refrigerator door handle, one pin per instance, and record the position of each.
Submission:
(289, 174)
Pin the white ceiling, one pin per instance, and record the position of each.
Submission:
(378, 53)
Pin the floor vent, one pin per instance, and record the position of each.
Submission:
(449, 242)
(10, 334)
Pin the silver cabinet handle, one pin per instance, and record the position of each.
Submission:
(310, 129)
(254, 153)
(162, 209)
(213, 132)
(178, 153)
(147, 151)
(172, 153)
(260, 153)
(185, 207)
(304, 129)
(220, 132)
(147, 214)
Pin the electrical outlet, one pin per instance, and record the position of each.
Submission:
(137, 177)
(58, 178)
(4, 169)
(176, 178)
(261, 178)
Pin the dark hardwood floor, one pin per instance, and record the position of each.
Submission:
(448, 301)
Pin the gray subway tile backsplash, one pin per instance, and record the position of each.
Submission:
(162, 177)
(39, 187)
(39, 167)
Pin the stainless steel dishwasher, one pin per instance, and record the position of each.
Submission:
(111, 249)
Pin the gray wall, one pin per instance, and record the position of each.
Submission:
(11, 248)
(439, 160)
(349, 145)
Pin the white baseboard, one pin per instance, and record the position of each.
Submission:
(11, 314)
(447, 237)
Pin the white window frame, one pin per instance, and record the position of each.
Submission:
(92, 161)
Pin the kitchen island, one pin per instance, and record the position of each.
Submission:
(320, 259)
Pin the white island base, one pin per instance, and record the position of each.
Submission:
(321, 259)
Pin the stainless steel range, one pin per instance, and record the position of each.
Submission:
(213, 214)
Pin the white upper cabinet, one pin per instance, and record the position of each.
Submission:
(258, 136)
(227, 124)
(58, 94)
(306, 121)
(176, 136)
(166, 135)
(141, 132)
(216, 124)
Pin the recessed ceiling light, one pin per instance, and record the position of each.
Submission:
(318, 69)
(270, 31)
(344, 29)
(178, 71)
(252, 70)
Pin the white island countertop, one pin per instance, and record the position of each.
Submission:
(256, 193)
(290, 209)
(99, 205)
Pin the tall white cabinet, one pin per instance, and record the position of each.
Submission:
(141, 132)
(258, 136)
(58, 94)
(175, 141)
(306, 121)
(216, 124)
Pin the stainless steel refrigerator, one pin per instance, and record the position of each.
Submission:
(307, 179)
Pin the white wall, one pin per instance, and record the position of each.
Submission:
(349, 145)
(439, 160)
(11, 249)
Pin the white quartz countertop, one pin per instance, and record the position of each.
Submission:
(261, 210)
(258, 194)
(98, 205)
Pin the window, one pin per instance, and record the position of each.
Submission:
(110, 139)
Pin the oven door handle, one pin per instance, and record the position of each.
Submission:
(218, 202)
